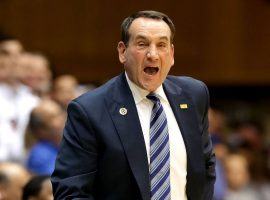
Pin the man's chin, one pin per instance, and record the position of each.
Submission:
(150, 87)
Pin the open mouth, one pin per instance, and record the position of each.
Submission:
(151, 70)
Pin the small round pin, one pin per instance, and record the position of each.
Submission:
(123, 111)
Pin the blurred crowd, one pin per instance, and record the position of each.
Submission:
(33, 107)
(243, 158)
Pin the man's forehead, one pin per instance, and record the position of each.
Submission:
(143, 26)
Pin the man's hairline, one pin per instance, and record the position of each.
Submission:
(156, 19)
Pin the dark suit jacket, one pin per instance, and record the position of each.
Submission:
(103, 155)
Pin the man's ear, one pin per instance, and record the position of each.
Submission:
(122, 52)
(172, 54)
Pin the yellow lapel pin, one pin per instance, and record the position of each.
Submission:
(183, 106)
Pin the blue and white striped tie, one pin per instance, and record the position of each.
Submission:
(159, 152)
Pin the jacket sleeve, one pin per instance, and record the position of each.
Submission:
(209, 155)
(76, 163)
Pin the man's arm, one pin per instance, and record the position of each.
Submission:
(209, 155)
(76, 163)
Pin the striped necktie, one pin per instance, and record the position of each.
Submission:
(159, 152)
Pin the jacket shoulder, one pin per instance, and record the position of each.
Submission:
(195, 89)
(187, 82)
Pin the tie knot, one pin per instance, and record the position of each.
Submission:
(153, 97)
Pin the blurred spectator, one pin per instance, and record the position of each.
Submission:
(5, 67)
(45, 124)
(12, 49)
(10, 46)
(248, 138)
(216, 125)
(38, 188)
(238, 179)
(35, 73)
(16, 103)
(83, 88)
(216, 130)
(247, 134)
(64, 90)
(221, 183)
(13, 177)
(251, 135)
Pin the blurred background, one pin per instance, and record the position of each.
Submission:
(52, 51)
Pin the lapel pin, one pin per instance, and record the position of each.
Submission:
(123, 111)
(183, 106)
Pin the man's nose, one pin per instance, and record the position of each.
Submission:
(152, 53)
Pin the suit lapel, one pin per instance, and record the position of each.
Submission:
(128, 126)
(187, 120)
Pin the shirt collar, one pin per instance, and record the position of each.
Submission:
(140, 94)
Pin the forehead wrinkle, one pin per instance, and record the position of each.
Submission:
(141, 36)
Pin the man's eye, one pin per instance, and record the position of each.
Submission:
(141, 44)
(162, 45)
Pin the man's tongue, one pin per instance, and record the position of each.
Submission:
(151, 70)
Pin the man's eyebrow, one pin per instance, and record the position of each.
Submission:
(164, 38)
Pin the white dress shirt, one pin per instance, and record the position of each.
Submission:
(15, 107)
(178, 157)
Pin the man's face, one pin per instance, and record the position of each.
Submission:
(149, 54)
(11, 47)
(5, 68)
